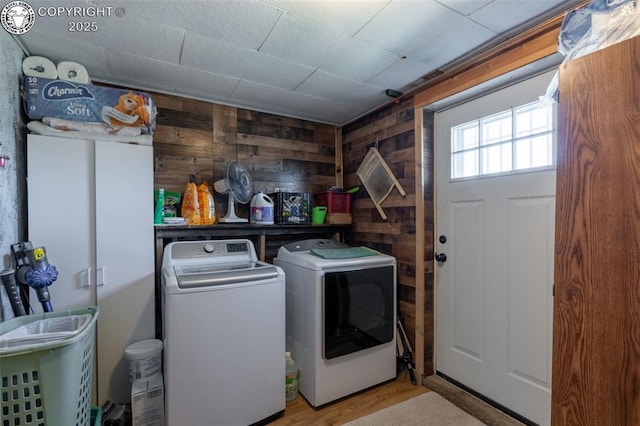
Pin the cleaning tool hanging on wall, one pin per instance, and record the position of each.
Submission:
(378, 179)
(33, 269)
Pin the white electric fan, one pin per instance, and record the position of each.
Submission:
(238, 186)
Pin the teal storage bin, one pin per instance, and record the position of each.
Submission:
(96, 416)
(46, 368)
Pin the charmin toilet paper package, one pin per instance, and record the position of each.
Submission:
(70, 100)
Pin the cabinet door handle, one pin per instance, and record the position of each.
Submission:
(86, 279)
(100, 277)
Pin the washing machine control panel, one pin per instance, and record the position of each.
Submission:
(207, 249)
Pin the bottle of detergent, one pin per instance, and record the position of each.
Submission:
(158, 214)
(291, 378)
(261, 209)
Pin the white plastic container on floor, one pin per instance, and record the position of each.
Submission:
(291, 378)
(145, 359)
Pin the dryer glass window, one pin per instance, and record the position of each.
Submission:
(358, 310)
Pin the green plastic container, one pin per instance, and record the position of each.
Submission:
(46, 380)
(96, 416)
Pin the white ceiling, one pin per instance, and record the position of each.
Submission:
(328, 61)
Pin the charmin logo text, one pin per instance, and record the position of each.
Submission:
(63, 90)
(17, 17)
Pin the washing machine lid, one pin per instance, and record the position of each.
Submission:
(323, 255)
(215, 274)
(209, 263)
(315, 244)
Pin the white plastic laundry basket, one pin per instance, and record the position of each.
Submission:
(46, 363)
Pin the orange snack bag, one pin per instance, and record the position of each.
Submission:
(190, 208)
(206, 204)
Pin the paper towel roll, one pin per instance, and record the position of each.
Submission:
(73, 71)
(38, 66)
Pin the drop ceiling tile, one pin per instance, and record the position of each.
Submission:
(204, 84)
(130, 83)
(403, 74)
(247, 64)
(142, 38)
(57, 50)
(241, 22)
(142, 69)
(316, 46)
(339, 89)
(422, 31)
(465, 7)
(502, 15)
(278, 101)
(128, 33)
(346, 16)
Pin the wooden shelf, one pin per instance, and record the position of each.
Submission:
(246, 229)
(258, 234)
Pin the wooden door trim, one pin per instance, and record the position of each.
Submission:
(419, 354)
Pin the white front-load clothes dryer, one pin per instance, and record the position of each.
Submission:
(340, 315)
(223, 319)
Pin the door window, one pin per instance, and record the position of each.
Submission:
(518, 139)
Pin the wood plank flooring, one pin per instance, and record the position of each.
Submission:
(299, 412)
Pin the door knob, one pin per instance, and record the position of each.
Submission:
(440, 257)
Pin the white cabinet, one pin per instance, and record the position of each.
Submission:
(90, 205)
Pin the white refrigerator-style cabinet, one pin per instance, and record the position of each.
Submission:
(90, 204)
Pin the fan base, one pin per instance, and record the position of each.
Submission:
(234, 219)
(231, 217)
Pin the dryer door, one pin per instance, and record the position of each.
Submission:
(358, 310)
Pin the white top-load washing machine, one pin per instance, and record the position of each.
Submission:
(341, 317)
(223, 318)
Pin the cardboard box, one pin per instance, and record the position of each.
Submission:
(147, 401)
(44, 97)
(338, 218)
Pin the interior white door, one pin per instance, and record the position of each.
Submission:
(60, 188)
(494, 291)
(124, 259)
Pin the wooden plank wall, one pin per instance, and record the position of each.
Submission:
(196, 139)
(392, 130)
